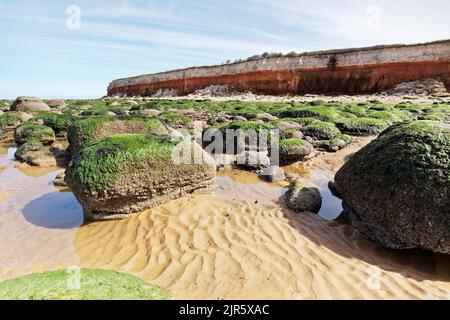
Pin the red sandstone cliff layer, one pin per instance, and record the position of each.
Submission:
(352, 71)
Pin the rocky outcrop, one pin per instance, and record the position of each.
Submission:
(126, 174)
(396, 190)
(348, 71)
(27, 104)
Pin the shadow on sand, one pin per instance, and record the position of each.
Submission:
(347, 242)
(56, 210)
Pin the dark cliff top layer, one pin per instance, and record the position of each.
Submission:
(303, 54)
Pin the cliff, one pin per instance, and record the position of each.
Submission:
(348, 71)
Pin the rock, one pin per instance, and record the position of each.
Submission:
(121, 175)
(59, 180)
(27, 104)
(56, 103)
(396, 190)
(301, 199)
(333, 190)
(94, 129)
(30, 131)
(36, 154)
(1, 112)
(2, 131)
(24, 117)
(266, 117)
(273, 174)
(297, 135)
(152, 113)
(294, 150)
(239, 118)
(253, 160)
(288, 126)
(223, 160)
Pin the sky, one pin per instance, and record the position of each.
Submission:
(73, 49)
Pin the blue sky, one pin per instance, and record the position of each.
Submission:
(41, 56)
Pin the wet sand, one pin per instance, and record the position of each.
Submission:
(239, 243)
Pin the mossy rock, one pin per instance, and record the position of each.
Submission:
(337, 143)
(2, 131)
(125, 174)
(83, 284)
(176, 120)
(84, 132)
(321, 130)
(294, 150)
(10, 119)
(250, 131)
(60, 123)
(396, 190)
(319, 112)
(361, 126)
(302, 199)
(31, 131)
(36, 154)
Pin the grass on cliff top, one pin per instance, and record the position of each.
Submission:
(86, 285)
(99, 164)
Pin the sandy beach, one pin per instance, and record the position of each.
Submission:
(239, 243)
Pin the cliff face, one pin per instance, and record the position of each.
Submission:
(352, 71)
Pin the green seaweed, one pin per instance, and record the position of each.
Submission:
(83, 284)
(99, 164)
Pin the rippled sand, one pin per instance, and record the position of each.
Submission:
(239, 243)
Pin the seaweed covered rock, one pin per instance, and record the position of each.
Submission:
(10, 119)
(27, 104)
(294, 150)
(396, 190)
(361, 126)
(337, 143)
(2, 131)
(238, 136)
(84, 132)
(60, 123)
(302, 199)
(30, 131)
(36, 154)
(321, 130)
(92, 285)
(126, 174)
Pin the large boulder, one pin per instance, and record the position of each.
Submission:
(126, 174)
(30, 131)
(84, 132)
(27, 104)
(396, 190)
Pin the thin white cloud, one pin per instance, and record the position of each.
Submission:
(125, 9)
